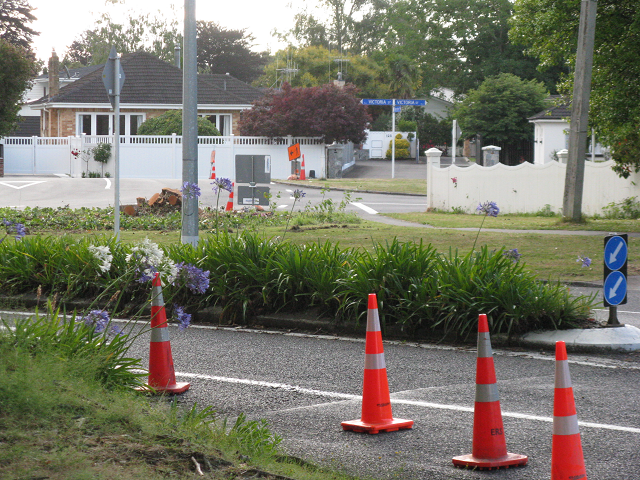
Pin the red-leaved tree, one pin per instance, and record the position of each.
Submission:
(327, 111)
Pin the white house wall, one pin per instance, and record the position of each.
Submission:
(525, 188)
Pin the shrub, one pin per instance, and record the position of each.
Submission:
(170, 122)
(403, 148)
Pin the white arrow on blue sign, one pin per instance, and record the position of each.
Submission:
(615, 253)
(615, 288)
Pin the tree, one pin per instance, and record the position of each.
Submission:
(432, 131)
(14, 16)
(403, 74)
(17, 68)
(170, 122)
(327, 111)
(549, 30)
(221, 50)
(498, 110)
(317, 65)
(458, 43)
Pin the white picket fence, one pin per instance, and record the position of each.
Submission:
(155, 156)
(525, 188)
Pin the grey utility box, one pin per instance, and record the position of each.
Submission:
(252, 170)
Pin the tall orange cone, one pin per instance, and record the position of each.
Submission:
(213, 165)
(229, 207)
(567, 459)
(303, 174)
(489, 445)
(162, 376)
(376, 403)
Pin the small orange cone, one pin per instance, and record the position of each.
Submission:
(213, 165)
(162, 376)
(376, 403)
(229, 207)
(567, 459)
(489, 445)
(303, 174)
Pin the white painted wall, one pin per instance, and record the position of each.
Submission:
(378, 143)
(525, 188)
(155, 156)
(550, 136)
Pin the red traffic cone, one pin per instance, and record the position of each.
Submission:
(213, 165)
(567, 459)
(303, 174)
(229, 207)
(162, 376)
(489, 445)
(376, 404)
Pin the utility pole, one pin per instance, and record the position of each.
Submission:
(574, 180)
(190, 124)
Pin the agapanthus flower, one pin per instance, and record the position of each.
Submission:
(222, 184)
(488, 208)
(192, 277)
(298, 194)
(184, 318)
(99, 319)
(190, 190)
(102, 254)
(14, 228)
(149, 259)
(586, 261)
(513, 255)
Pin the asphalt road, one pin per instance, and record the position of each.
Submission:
(305, 386)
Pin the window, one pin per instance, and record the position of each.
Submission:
(102, 123)
(221, 122)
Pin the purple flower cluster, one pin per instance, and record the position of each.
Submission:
(222, 184)
(488, 208)
(190, 190)
(184, 318)
(586, 261)
(192, 277)
(99, 319)
(14, 228)
(513, 255)
(298, 194)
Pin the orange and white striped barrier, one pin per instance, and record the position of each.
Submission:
(567, 459)
(303, 174)
(213, 165)
(376, 403)
(229, 207)
(489, 449)
(162, 377)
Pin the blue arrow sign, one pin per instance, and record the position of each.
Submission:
(411, 102)
(615, 253)
(615, 288)
(377, 101)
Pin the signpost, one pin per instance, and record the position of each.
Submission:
(394, 104)
(615, 274)
(113, 79)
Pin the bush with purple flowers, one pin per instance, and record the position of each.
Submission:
(192, 277)
(13, 228)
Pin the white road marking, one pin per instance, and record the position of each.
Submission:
(281, 207)
(28, 183)
(417, 403)
(364, 207)
(108, 184)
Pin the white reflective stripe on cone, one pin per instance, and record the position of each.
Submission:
(374, 361)
(565, 425)
(156, 297)
(373, 321)
(487, 393)
(160, 334)
(563, 379)
(484, 345)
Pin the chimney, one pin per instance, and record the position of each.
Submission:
(176, 55)
(54, 74)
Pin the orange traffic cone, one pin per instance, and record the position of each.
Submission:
(303, 174)
(567, 460)
(229, 207)
(213, 165)
(376, 404)
(489, 445)
(162, 376)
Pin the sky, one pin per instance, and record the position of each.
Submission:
(61, 21)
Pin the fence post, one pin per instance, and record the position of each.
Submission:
(433, 162)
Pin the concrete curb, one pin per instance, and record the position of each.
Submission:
(624, 338)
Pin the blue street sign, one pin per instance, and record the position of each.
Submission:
(377, 101)
(615, 252)
(615, 288)
(411, 102)
(397, 109)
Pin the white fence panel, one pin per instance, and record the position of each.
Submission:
(526, 188)
(19, 155)
(53, 156)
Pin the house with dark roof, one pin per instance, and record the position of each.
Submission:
(151, 87)
(551, 133)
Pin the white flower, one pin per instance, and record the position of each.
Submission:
(102, 254)
(150, 258)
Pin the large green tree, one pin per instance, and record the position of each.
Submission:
(17, 68)
(458, 43)
(15, 15)
(498, 110)
(549, 30)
